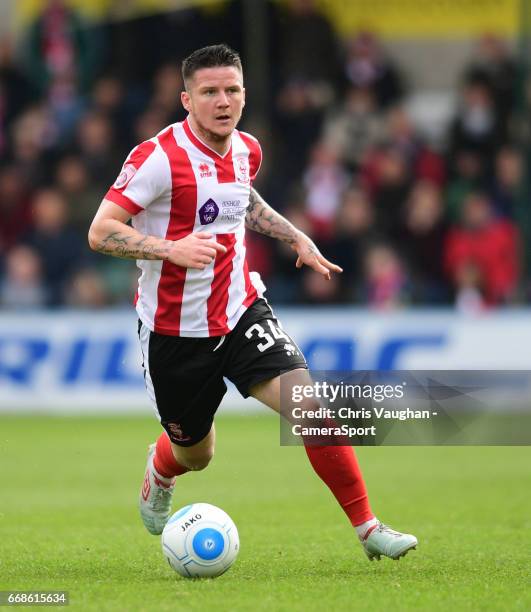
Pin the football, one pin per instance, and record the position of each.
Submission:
(200, 540)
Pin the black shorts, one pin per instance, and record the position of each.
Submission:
(184, 376)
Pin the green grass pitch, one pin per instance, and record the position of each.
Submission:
(68, 520)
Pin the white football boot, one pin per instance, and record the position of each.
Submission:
(382, 540)
(155, 497)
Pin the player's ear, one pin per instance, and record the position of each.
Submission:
(243, 97)
(185, 100)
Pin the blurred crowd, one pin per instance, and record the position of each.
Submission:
(413, 220)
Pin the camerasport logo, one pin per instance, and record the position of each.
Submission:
(204, 170)
(127, 173)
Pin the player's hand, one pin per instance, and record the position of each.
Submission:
(195, 251)
(309, 255)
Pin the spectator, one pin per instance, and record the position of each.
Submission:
(15, 205)
(388, 179)
(482, 252)
(60, 248)
(507, 188)
(299, 120)
(308, 46)
(86, 289)
(73, 182)
(495, 65)
(355, 127)
(423, 163)
(14, 92)
(66, 108)
(59, 48)
(477, 126)
(108, 99)
(32, 134)
(468, 175)
(167, 87)
(367, 66)
(286, 288)
(354, 232)
(468, 298)
(385, 278)
(421, 240)
(325, 180)
(98, 150)
(149, 124)
(318, 290)
(22, 286)
(309, 71)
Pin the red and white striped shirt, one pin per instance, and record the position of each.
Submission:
(174, 185)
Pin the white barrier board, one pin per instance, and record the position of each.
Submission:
(74, 361)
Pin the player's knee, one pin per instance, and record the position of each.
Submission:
(305, 411)
(308, 404)
(196, 464)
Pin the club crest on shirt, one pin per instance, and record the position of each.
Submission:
(127, 173)
(242, 170)
(204, 170)
(209, 212)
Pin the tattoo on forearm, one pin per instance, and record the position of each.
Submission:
(130, 247)
(261, 218)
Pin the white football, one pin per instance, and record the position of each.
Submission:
(200, 540)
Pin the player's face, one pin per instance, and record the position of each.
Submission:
(215, 98)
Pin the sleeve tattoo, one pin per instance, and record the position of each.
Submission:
(261, 218)
(133, 247)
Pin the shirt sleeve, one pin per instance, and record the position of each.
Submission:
(144, 177)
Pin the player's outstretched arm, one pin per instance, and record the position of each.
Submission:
(109, 234)
(262, 218)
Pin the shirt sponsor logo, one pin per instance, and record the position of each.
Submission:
(232, 210)
(209, 212)
(127, 173)
(204, 170)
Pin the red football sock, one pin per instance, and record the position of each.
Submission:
(164, 460)
(338, 468)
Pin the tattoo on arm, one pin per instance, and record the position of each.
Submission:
(261, 218)
(132, 247)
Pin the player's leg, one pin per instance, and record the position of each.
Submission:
(184, 382)
(262, 355)
(173, 460)
(338, 468)
(198, 456)
(165, 462)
